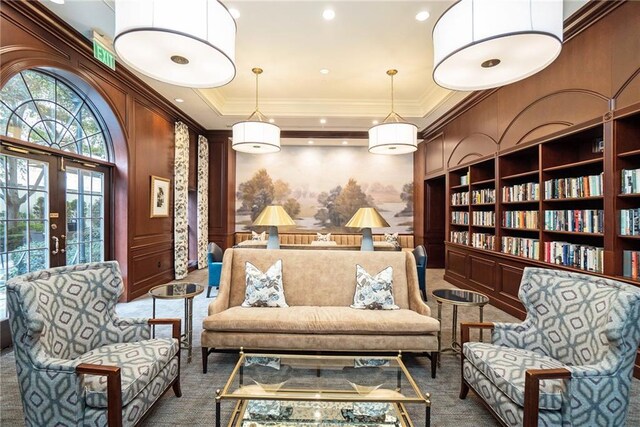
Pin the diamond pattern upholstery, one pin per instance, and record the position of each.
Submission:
(65, 316)
(585, 324)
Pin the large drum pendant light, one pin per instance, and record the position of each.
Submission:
(394, 135)
(482, 44)
(186, 43)
(256, 135)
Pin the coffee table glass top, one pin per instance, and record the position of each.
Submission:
(176, 290)
(322, 378)
(460, 297)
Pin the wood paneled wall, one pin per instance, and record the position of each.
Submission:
(222, 187)
(141, 125)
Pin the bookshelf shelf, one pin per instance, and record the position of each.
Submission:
(492, 227)
(631, 153)
(537, 230)
(459, 225)
(483, 204)
(623, 236)
(524, 202)
(574, 165)
(483, 182)
(459, 187)
(520, 175)
(575, 233)
(573, 199)
(629, 196)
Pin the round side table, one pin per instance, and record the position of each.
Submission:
(457, 297)
(186, 291)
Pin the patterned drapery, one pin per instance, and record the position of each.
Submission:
(180, 203)
(203, 200)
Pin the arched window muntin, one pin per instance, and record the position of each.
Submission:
(40, 107)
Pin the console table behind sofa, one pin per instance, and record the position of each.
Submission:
(405, 240)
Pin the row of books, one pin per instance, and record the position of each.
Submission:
(484, 218)
(630, 222)
(630, 181)
(460, 218)
(521, 192)
(520, 219)
(460, 237)
(486, 195)
(581, 221)
(566, 188)
(483, 241)
(589, 258)
(464, 179)
(519, 246)
(461, 198)
(631, 264)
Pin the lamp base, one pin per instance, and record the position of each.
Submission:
(274, 240)
(367, 240)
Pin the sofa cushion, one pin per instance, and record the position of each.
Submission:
(321, 320)
(374, 292)
(140, 362)
(505, 367)
(264, 289)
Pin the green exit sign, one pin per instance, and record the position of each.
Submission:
(103, 55)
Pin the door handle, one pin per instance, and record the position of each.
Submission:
(64, 243)
(56, 246)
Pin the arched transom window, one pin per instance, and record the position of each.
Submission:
(40, 108)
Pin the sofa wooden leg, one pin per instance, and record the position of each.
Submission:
(176, 387)
(464, 389)
(434, 363)
(205, 359)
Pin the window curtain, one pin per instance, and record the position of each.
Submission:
(203, 200)
(180, 202)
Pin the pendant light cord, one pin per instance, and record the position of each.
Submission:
(257, 91)
(392, 103)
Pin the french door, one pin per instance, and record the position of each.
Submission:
(53, 212)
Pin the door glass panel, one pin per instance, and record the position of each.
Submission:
(85, 216)
(24, 219)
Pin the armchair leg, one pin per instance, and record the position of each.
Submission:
(434, 363)
(208, 291)
(464, 389)
(205, 359)
(176, 387)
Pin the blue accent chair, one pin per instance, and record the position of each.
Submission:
(420, 254)
(214, 257)
(569, 363)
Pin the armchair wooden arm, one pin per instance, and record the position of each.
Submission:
(465, 326)
(177, 326)
(114, 389)
(532, 391)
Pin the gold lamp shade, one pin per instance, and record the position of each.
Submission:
(273, 216)
(367, 217)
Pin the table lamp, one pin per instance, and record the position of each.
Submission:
(366, 218)
(273, 216)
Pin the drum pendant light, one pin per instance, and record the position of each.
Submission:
(256, 135)
(482, 44)
(394, 135)
(187, 43)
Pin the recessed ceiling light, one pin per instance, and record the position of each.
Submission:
(422, 16)
(345, 142)
(323, 121)
(374, 122)
(328, 14)
(309, 142)
(235, 13)
(324, 71)
(179, 100)
(271, 120)
(57, 1)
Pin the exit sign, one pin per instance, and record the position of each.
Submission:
(103, 55)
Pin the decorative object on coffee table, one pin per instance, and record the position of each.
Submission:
(457, 297)
(186, 291)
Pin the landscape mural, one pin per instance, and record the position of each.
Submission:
(321, 187)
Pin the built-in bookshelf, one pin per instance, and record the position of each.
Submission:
(627, 202)
(521, 247)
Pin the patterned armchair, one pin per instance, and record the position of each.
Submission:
(569, 363)
(77, 362)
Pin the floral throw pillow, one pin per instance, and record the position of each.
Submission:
(264, 289)
(259, 236)
(374, 293)
(391, 238)
(323, 237)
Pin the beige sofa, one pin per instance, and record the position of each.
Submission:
(319, 287)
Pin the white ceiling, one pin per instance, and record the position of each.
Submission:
(291, 41)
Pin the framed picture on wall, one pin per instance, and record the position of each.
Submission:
(160, 197)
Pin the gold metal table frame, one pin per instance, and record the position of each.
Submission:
(186, 339)
(320, 395)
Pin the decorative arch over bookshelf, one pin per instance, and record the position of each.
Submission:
(475, 145)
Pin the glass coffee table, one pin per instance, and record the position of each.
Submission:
(457, 297)
(318, 390)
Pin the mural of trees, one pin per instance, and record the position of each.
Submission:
(260, 191)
